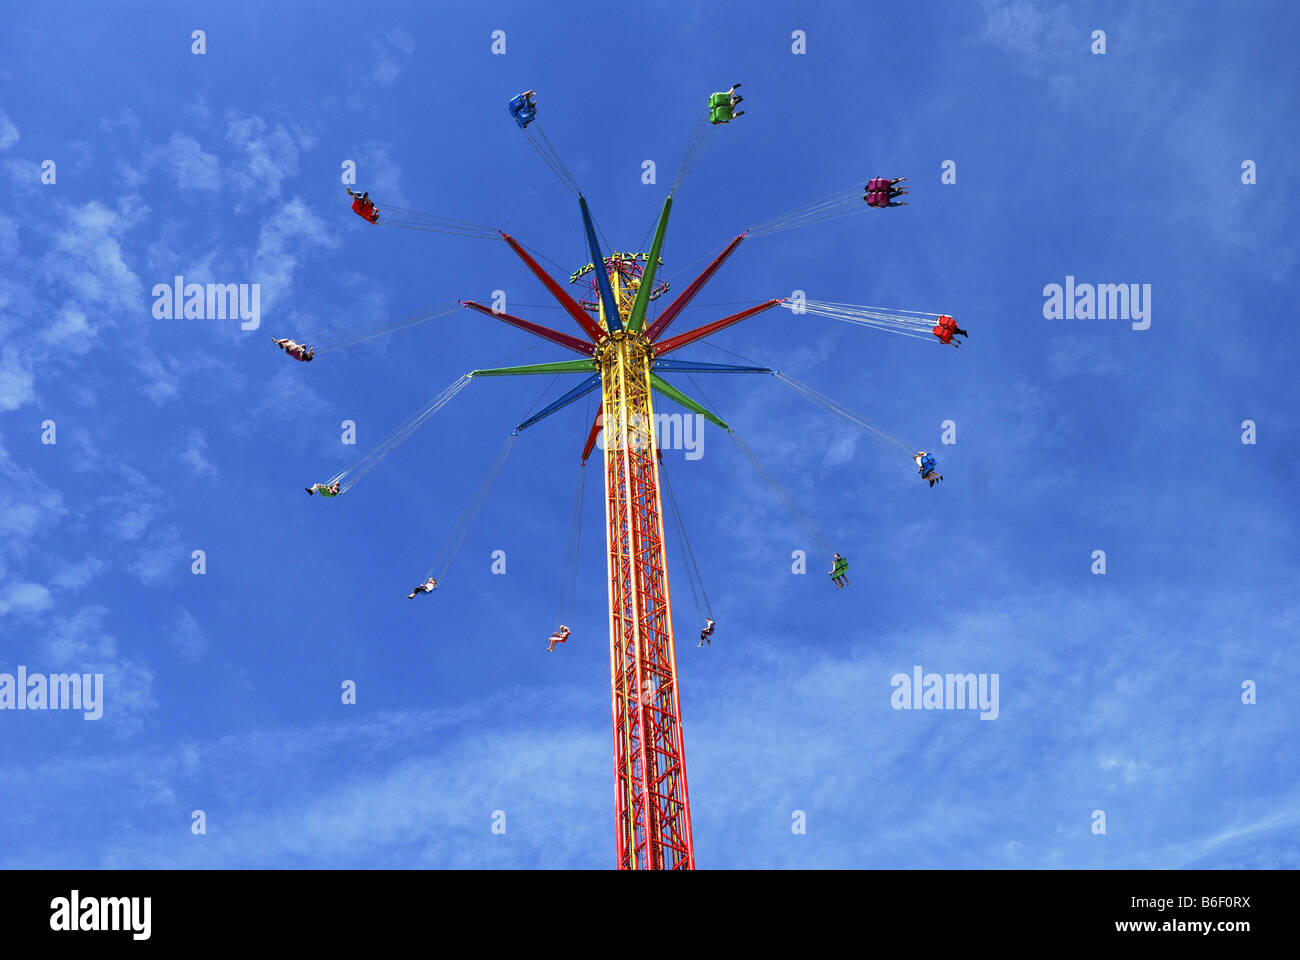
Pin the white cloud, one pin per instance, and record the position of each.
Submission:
(16, 381)
(190, 166)
(131, 523)
(86, 256)
(162, 373)
(1187, 854)
(25, 173)
(391, 54)
(938, 788)
(9, 243)
(1128, 768)
(29, 504)
(70, 330)
(72, 576)
(25, 598)
(8, 132)
(383, 177)
(269, 155)
(1019, 25)
(81, 643)
(841, 447)
(131, 176)
(334, 821)
(187, 636)
(387, 69)
(282, 240)
(160, 558)
(1041, 37)
(193, 457)
(125, 118)
(401, 40)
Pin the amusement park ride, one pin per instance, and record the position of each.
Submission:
(623, 354)
(624, 361)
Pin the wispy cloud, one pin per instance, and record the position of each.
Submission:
(187, 636)
(1042, 37)
(267, 155)
(281, 244)
(189, 165)
(16, 381)
(25, 598)
(193, 455)
(32, 506)
(124, 119)
(8, 132)
(380, 173)
(391, 53)
(942, 788)
(81, 643)
(87, 259)
(548, 819)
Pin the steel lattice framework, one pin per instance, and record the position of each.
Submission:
(651, 802)
(622, 356)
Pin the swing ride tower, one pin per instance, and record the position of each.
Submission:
(624, 353)
(620, 357)
(651, 803)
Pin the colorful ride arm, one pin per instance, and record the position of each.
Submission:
(668, 390)
(637, 317)
(563, 366)
(694, 366)
(613, 322)
(563, 339)
(589, 326)
(577, 393)
(685, 297)
(690, 336)
(591, 437)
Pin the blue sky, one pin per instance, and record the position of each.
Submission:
(1119, 693)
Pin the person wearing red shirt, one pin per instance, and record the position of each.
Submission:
(946, 328)
(363, 206)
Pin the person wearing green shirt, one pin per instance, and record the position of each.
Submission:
(722, 106)
(838, 570)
